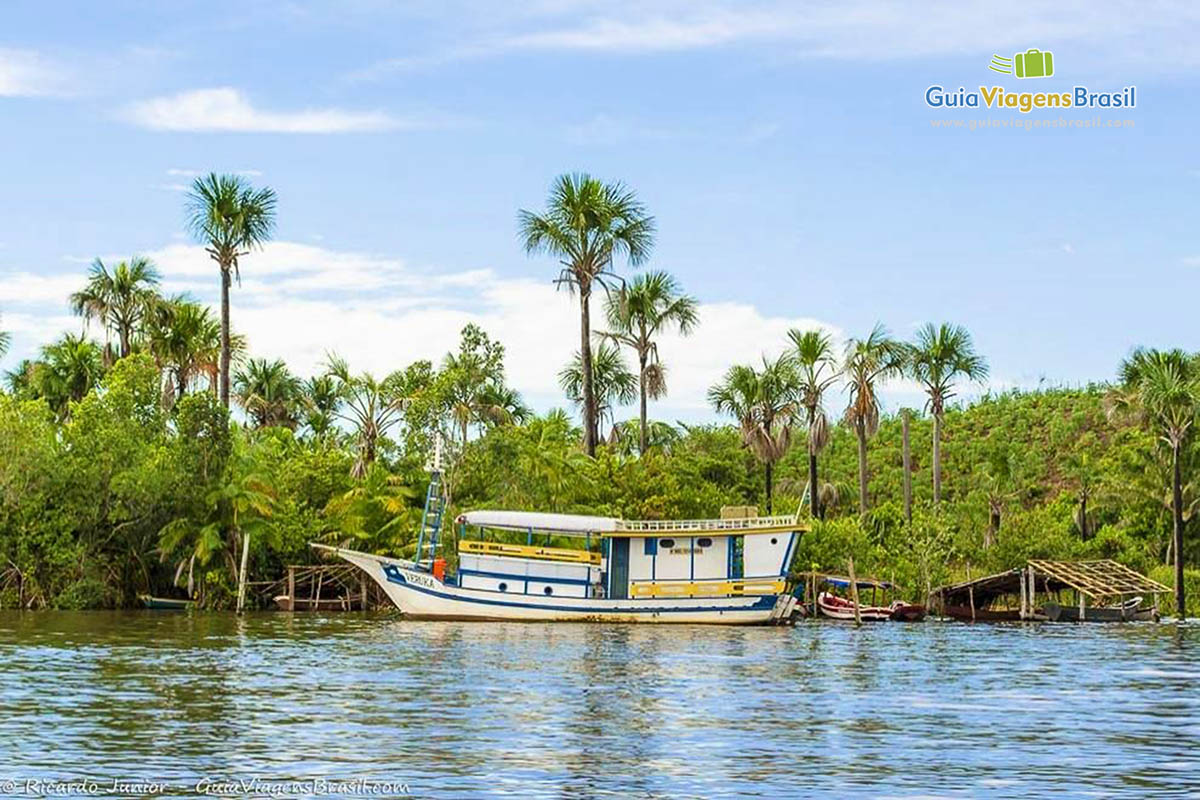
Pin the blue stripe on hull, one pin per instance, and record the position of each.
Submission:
(764, 603)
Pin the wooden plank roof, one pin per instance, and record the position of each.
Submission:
(1096, 579)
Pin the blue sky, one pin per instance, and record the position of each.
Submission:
(785, 149)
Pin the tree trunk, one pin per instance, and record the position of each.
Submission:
(770, 474)
(124, 341)
(814, 495)
(226, 279)
(937, 458)
(1083, 523)
(585, 358)
(1177, 513)
(905, 419)
(241, 599)
(862, 466)
(645, 440)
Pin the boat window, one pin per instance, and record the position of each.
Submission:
(666, 543)
(705, 542)
(650, 547)
(774, 540)
(503, 587)
(549, 590)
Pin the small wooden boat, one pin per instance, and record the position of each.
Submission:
(906, 612)
(840, 608)
(1130, 610)
(165, 603)
(964, 614)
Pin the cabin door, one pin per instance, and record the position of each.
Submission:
(618, 570)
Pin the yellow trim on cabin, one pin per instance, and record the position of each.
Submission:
(720, 588)
(529, 551)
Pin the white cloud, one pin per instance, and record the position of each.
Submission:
(1157, 37)
(24, 73)
(228, 109)
(300, 301)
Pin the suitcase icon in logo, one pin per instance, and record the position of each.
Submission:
(1034, 63)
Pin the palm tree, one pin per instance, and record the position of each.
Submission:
(817, 371)
(268, 391)
(185, 340)
(650, 305)
(941, 355)
(241, 503)
(120, 299)
(765, 404)
(230, 218)
(999, 486)
(867, 363)
(1164, 389)
(614, 384)
(66, 372)
(587, 223)
(372, 406)
(5, 341)
(319, 401)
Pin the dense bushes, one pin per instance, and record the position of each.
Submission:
(85, 502)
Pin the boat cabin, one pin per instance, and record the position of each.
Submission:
(739, 554)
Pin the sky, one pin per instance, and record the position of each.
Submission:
(786, 150)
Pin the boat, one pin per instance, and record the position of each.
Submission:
(965, 614)
(832, 606)
(512, 566)
(839, 608)
(1130, 610)
(165, 603)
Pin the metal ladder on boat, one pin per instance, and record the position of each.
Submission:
(435, 507)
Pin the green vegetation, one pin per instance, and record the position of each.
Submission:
(121, 471)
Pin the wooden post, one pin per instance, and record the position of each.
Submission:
(362, 582)
(291, 588)
(1031, 586)
(1082, 606)
(904, 417)
(1024, 595)
(970, 592)
(854, 595)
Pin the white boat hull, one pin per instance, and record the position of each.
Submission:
(420, 595)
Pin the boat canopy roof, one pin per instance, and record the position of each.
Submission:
(613, 526)
(842, 582)
(526, 520)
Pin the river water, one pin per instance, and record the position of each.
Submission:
(936, 709)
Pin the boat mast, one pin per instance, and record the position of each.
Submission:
(435, 506)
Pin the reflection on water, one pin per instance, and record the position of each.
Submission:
(454, 709)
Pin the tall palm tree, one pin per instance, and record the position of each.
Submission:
(269, 392)
(817, 370)
(119, 299)
(1164, 389)
(371, 405)
(765, 404)
(588, 223)
(650, 305)
(613, 384)
(867, 364)
(941, 355)
(230, 218)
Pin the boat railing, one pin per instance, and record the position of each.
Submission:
(677, 525)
